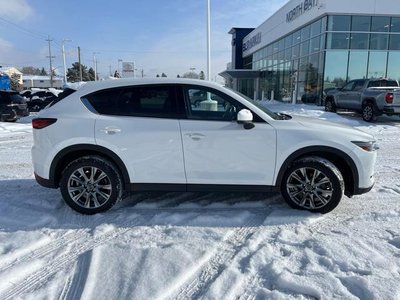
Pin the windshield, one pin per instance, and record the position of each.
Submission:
(259, 105)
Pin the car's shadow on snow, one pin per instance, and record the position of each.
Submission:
(24, 205)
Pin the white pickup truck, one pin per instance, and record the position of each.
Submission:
(370, 97)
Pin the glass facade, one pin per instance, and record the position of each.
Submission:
(325, 54)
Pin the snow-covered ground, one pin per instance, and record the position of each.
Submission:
(192, 245)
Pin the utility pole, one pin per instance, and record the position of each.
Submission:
(51, 62)
(80, 65)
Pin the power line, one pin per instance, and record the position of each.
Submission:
(27, 31)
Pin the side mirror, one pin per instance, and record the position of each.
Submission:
(245, 117)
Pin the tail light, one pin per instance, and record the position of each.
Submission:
(41, 123)
(389, 98)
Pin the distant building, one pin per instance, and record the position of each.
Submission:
(11, 71)
(35, 81)
(309, 46)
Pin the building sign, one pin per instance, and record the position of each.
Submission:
(128, 69)
(255, 40)
(300, 9)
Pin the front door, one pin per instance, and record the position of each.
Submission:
(218, 150)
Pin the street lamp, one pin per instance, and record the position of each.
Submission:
(95, 65)
(208, 42)
(119, 60)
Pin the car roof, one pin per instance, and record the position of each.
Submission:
(106, 84)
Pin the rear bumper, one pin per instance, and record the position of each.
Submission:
(45, 182)
(391, 110)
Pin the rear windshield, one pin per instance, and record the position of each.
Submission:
(383, 83)
(17, 98)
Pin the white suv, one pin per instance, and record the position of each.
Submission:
(144, 135)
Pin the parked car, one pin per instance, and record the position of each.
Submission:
(370, 97)
(12, 106)
(39, 99)
(114, 136)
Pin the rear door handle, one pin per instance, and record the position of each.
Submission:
(110, 130)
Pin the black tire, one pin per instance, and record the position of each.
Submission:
(91, 184)
(330, 105)
(368, 112)
(313, 184)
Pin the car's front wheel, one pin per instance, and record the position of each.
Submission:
(91, 184)
(313, 184)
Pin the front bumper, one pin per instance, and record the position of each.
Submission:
(359, 191)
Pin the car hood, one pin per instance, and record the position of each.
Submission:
(332, 128)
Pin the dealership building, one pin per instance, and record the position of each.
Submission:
(309, 46)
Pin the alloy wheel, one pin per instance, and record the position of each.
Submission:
(309, 188)
(89, 187)
(367, 112)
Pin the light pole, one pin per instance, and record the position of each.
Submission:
(208, 42)
(64, 62)
(119, 60)
(95, 65)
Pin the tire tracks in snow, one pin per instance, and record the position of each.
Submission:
(225, 253)
(82, 244)
(40, 277)
(54, 245)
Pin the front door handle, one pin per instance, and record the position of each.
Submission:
(195, 136)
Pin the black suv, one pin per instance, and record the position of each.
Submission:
(12, 106)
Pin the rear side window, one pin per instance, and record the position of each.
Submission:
(145, 101)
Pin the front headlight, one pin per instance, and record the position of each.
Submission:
(367, 146)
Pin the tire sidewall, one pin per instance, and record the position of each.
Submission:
(329, 170)
(104, 165)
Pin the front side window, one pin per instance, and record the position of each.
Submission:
(146, 101)
(359, 85)
(207, 104)
(349, 86)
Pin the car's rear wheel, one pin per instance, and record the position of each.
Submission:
(330, 105)
(368, 112)
(91, 184)
(313, 184)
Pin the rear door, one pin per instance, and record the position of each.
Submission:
(140, 124)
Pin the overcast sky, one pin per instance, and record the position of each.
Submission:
(158, 35)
